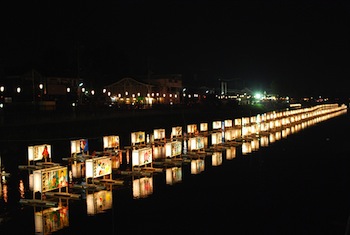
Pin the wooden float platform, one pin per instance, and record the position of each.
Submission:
(88, 186)
(109, 181)
(170, 162)
(38, 202)
(6, 174)
(194, 154)
(152, 169)
(38, 166)
(47, 164)
(62, 195)
(136, 173)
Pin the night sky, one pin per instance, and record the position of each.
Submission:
(293, 47)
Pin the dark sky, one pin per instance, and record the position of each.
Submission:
(296, 47)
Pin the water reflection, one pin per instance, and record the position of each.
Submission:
(142, 187)
(4, 191)
(99, 202)
(173, 175)
(246, 147)
(49, 220)
(231, 153)
(264, 140)
(197, 166)
(216, 158)
(243, 136)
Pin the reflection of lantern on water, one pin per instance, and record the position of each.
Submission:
(246, 147)
(230, 153)
(173, 175)
(272, 137)
(98, 202)
(277, 135)
(264, 141)
(197, 166)
(285, 132)
(216, 158)
(3, 192)
(255, 144)
(303, 125)
(51, 220)
(21, 189)
(296, 128)
(142, 187)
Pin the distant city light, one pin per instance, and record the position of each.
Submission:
(2, 88)
(18, 89)
(68, 89)
(258, 96)
(41, 86)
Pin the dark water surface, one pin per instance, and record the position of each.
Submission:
(297, 185)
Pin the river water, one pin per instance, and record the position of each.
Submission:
(295, 183)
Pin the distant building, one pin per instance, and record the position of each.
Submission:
(160, 89)
(33, 88)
